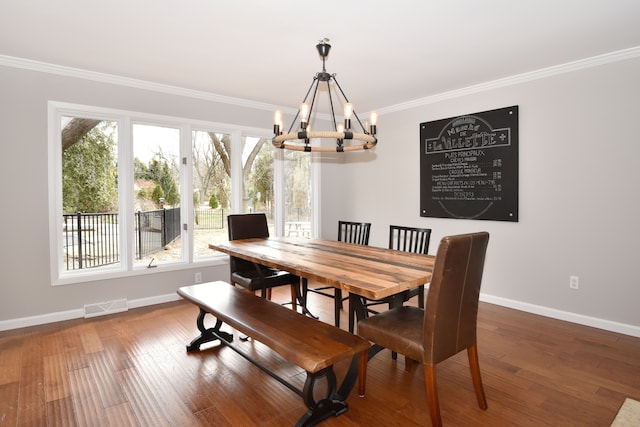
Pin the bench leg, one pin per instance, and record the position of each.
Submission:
(321, 409)
(207, 334)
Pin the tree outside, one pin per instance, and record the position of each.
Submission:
(90, 172)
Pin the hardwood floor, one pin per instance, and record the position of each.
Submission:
(131, 369)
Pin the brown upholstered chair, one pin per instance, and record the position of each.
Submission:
(447, 325)
(253, 276)
(349, 232)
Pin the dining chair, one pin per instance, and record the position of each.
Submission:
(354, 232)
(401, 238)
(349, 232)
(447, 324)
(249, 275)
(411, 239)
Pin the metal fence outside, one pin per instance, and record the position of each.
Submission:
(92, 239)
(209, 219)
(155, 229)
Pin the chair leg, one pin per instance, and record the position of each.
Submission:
(362, 372)
(421, 296)
(294, 298)
(409, 364)
(352, 317)
(474, 364)
(432, 395)
(304, 285)
(337, 305)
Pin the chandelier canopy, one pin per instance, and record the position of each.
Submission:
(347, 139)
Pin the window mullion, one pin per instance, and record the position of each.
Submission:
(278, 190)
(236, 172)
(125, 193)
(186, 192)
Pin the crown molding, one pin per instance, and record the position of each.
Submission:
(568, 67)
(44, 67)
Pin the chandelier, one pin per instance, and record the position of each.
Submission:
(347, 139)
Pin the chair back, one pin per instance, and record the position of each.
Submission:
(354, 232)
(451, 309)
(409, 239)
(246, 226)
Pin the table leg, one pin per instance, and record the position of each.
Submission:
(357, 310)
(302, 297)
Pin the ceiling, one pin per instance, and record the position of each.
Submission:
(383, 54)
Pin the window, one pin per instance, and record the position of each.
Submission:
(212, 188)
(257, 178)
(89, 163)
(297, 194)
(156, 180)
(132, 191)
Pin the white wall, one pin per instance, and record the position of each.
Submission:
(26, 294)
(579, 196)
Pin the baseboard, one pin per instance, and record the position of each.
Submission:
(60, 316)
(607, 325)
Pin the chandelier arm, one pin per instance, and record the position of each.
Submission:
(295, 119)
(347, 100)
(313, 99)
(333, 112)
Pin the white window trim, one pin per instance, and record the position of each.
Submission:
(125, 119)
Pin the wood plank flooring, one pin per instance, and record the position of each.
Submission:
(131, 369)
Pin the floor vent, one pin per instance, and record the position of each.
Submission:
(102, 308)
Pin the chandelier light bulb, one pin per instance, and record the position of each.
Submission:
(277, 122)
(373, 118)
(348, 110)
(304, 112)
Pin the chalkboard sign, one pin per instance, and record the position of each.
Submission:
(469, 166)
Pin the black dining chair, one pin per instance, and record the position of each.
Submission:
(446, 326)
(354, 232)
(249, 275)
(349, 232)
(401, 238)
(411, 239)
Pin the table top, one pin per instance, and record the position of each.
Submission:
(367, 271)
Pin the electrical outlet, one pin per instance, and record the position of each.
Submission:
(574, 282)
(198, 277)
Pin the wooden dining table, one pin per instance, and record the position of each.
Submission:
(360, 270)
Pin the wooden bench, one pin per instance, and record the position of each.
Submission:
(305, 342)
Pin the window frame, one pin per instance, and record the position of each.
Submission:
(125, 120)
